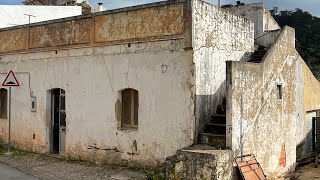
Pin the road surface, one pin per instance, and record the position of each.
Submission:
(10, 173)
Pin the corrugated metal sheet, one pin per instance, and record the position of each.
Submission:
(14, 15)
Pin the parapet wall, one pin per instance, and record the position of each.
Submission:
(157, 21)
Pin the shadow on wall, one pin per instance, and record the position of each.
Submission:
(209, 105)
(213, 104)
(305, 146)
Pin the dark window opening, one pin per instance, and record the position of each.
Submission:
(3, 103)
(279, 91)
(130, 103)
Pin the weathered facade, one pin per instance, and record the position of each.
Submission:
(218, 36)
(271, 100)
(94, 58)
(134, 85)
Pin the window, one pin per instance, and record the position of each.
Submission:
(279, 91)
(3, 103)
(130, 105)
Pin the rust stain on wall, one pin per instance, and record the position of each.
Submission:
(149, 22)
(145, 24)
(13, 40)
(61, 34)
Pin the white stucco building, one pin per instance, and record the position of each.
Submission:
(14, 15)
(134, 85)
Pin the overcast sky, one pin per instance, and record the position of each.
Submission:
(312, 6)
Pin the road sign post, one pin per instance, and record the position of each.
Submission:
(9, 138)
(10, 81)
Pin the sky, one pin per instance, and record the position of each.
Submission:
(312, 6)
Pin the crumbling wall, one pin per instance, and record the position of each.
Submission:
(268, 39)
(218, 36)
(158, 21)
(93, 79)
(259, 15)
(262, 121)
(200, 164)
(93, 60)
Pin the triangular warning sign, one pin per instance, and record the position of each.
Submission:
(10, 80)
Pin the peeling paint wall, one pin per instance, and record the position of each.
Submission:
(161, 21)
(218, 36)
(61, 34)
(92, 79)
(261, 121)
(158, 21)
(259, 15)
(93, 59)
(15, 40)
(268, 39)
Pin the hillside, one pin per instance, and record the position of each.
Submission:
(307, 34)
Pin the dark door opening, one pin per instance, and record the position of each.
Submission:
(316, 134)
(58, 120)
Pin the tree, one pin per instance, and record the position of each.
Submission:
(307, 34)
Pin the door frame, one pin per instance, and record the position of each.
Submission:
(50, 121)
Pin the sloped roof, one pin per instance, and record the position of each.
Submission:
(12, 15)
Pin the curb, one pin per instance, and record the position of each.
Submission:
(20, 169)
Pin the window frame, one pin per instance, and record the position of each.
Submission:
(279, 91)
(134, 109)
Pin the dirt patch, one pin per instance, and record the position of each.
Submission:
(307, 172)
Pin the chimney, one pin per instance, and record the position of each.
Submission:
(100, 7)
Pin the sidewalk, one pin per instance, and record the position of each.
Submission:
(45, 167)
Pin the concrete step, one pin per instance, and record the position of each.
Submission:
(214, 140)
(218, 119)
(260, 52)
(257, 56)
(215, 128)
(261, 48)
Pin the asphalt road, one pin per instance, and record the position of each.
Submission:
(10, 173)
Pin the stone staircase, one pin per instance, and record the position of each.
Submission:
(258, 54)
(214, 133)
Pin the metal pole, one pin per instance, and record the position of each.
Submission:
(9, 138)
(219, 3)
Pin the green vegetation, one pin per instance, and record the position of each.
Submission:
(15, 152)
(307, 34)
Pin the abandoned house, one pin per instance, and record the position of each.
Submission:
(135, 85)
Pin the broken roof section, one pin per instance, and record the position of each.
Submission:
(18, 15)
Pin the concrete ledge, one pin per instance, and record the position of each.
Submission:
(200, 164)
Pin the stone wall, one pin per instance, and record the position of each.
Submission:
(200, 164)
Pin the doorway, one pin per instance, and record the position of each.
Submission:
(58, 121)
